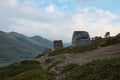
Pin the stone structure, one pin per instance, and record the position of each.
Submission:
(80, 38)
(57, 44)
(47, 50)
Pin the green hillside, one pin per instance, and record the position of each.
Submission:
(25, 70)
(98, 61)
(107, 69)
(42, 41)
(15, 47)
(95, 43)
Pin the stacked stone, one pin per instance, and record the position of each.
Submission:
(58, 44)
(80, 38)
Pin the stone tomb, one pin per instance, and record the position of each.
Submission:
(57, 44)
(80, 38)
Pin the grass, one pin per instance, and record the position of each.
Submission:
(108, 69)
(79, 49)
(25, 70)
(18, 68)
(54, 64)
(94, 44)
(36, 74)
(69, 67)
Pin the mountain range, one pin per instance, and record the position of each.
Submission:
(15, 47)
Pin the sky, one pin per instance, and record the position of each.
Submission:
(57, 19)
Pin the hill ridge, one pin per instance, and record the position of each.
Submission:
(15, 46)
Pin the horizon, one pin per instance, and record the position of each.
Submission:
(58, 19)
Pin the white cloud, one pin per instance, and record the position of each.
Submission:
(52, 23)
(50, 8)
(96, 21)
(13, 3)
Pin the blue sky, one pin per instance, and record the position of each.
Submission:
(71, 6)
(57, 19)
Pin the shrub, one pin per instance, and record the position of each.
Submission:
(108, 69)
(36, 74)
(18, 68)
(69, 67)
(54, 64)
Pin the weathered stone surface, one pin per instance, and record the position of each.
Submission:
(58, 44)
(80, 38)
(47, 50)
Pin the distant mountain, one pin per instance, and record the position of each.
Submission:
(15, 46)
(67, 44)
(42, 41)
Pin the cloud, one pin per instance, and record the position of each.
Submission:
(52, 23)
(50, 8)
(13, 3)
(96, 21)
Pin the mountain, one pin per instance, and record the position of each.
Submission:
(99, 60)
(15, 46)
(42, 41)
(67, 44)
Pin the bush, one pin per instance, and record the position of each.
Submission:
(78, 49)
(110, 41)
(40, 55)
(54, 64)
(36, 74)
(29, 62)
(18, 68)
(69, 67)
(97, 41)
(108, 69)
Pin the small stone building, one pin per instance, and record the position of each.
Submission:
(80, 38)
(47, 50)
(57, 44)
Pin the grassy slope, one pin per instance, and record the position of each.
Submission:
(107, 69)
(110, 48)
(36, 74)
(31, 69)
(94, 45)
(14, 46)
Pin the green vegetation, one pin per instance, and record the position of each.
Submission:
(54, 64)
(97, 41)
(17, 70)
(69, 68)
(40, 55)
(36, 74)
(15, 46)
(108, 69)
(79, 49)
